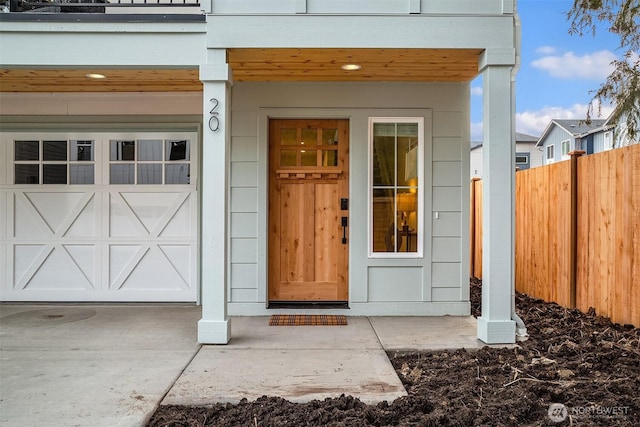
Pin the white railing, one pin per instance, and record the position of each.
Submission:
(94, 6)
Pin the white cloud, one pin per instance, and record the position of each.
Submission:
(476, 91)
(476, 131)
(596, 65)
(546, 50)
(535, 122)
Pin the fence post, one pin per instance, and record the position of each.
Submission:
(573, 248)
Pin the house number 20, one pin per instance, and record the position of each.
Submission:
(214, 121)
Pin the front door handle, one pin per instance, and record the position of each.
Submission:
(345, 223)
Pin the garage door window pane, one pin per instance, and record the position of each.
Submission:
(150, 162)
(54, 150)
(177, 174)
(149, 173)
(149, 150)
(27, 174)
(27, 150)
(122, 150)
(82, 151)
(177, 150)
(54, 174)
(82, 174)
(122, 174)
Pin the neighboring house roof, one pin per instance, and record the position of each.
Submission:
(521, 138)
(573, 127)
(578, 127)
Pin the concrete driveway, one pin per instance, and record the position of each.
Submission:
(91, 365)
(112, 365)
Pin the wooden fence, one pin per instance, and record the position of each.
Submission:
(475, 228)
(577, 233)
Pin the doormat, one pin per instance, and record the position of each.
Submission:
(307, 320)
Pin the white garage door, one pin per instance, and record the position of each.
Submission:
(98, 217)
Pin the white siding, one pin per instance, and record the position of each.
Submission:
(244, 278)
(475, 162)
(598, 142)
(535, 154)
(72, 43)
(555, 138)
(382, 278)
(448, 178)
(157, 107)
(535, 157)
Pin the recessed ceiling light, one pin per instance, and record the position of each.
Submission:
(96, 76)
(351, 67)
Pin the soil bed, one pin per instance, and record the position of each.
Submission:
(583, 362)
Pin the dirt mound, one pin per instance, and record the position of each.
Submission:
(576, 369)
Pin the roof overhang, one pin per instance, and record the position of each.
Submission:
(319, 64)
(259, 65)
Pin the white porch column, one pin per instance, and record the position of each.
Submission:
(498, 219)
(215, 326)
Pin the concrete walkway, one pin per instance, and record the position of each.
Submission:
(112, 365)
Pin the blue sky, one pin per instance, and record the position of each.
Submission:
(558, 70)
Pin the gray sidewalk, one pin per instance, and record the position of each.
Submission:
(112, 365)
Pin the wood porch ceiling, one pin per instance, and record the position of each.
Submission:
(434, 65)
(256, 65)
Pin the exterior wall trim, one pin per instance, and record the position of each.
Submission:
(404, 31)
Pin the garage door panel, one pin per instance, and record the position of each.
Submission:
(148, 214)
(100, 241)
(182, 223)
(44, 214)
(181, 258)
(27, 221)
(54, 267)
(26, 261)
(149, 267)
(123, 222)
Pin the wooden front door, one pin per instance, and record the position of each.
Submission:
(308, 205)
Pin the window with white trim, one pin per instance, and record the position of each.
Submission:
(522, 161)
(608, 140)
(551, 153)
(54, 161)
(396, 186)
(565, 147)
(149, 161)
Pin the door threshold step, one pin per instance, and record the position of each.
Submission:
(305, 305)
